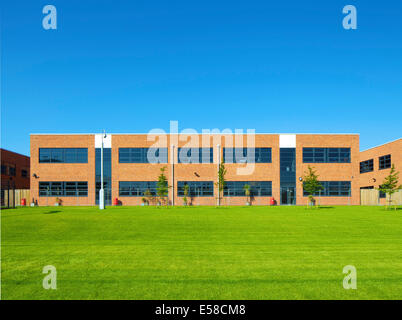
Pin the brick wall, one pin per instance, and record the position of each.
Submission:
(191, 172)
(376, 177)
(19, 162)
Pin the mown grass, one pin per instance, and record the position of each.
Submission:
(201, 252)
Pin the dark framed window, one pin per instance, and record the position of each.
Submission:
(195, 155)
(24, 173)
(63, 155)
(385, 162)
(143, 155)
(257, 188)
(11, 171)
(196, 188)
(3, 169)
(333, 189)
(366, 166)
(63, 188)
(382, 194)
(136, 188)
(241, 155)
(326, 155)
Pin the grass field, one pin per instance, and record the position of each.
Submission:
(201, 252)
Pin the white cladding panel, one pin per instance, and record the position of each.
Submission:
(287, 141)
(107, 141)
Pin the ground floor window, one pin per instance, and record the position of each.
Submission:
(257, 188)
(196, 188)
(136, 188)
(333, 189)
(63, 188)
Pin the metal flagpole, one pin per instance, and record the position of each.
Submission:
(219, 162)
(172, 159)
(101, 191)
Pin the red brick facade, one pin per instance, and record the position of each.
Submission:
(193, 172)
(373, 179)
(14, 170)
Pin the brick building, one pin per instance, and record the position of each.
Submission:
(14, 170)
(68, 167)
(14, 173)
(375, 164)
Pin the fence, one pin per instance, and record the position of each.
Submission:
(10, 198)
(371, 197)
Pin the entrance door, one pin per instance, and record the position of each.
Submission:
(288, 195)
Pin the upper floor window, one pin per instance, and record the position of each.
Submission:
(143, 155)
(63, 155)
(195, 155)
(257, 188)
(367, 166)
(3, 169)
(196, 188)
(385, 162)
(247, 155)
(11, 171)
(24, 173)
(326, 155)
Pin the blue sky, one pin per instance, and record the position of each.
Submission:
(130, 66)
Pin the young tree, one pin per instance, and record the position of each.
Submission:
(221, 180)
(311, 184)
(162, 187)
(148, 196)
(247, 192)
(390, 184)
(185, 191)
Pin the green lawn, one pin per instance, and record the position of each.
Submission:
(201, 252)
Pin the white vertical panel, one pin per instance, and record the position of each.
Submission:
(287, 141)
(107, 142)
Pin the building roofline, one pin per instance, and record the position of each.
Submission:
(198, 133)
(383, 144)
(20, 154)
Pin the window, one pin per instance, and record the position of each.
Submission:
(326, 155)
(63, 155)
(3, 169)
(333, 189)
(367, 166)
(196, 188)
(63, 188)
(195, 155)
(11, 171)
(107, 174)
(136, 188)
(143, 155)
(257, 188)
(240, 155)
(24, 173)
(385, 162)
(382, 194)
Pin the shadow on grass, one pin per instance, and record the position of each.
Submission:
(325, 207)
(392, 209)
(52, 212)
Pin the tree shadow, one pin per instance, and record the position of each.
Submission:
(325, 207)
(52, 212)
(393, 209)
